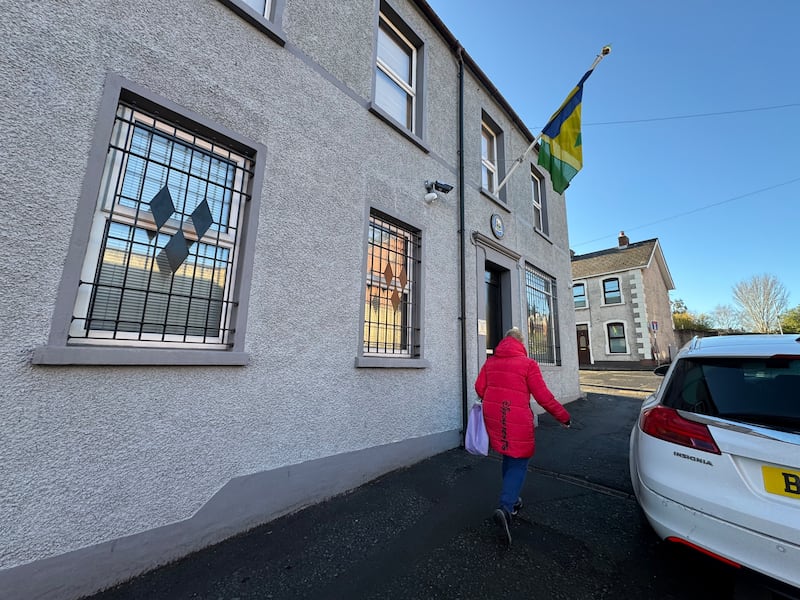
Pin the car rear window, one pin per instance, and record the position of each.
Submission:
(761, 391)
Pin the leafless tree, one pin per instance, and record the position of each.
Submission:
(761, 299)
(725, 317)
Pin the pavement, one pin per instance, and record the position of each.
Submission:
(626, 383)
(425, 532)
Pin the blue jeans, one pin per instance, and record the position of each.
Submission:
(514, 471)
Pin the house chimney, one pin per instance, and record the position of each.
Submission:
(623, 240)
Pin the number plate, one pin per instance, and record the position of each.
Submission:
(783, 482)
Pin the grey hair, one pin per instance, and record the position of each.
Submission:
(515, 333)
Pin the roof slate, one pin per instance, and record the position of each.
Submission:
(612, 260)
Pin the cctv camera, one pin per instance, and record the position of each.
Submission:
(442, 187)
(430, 197)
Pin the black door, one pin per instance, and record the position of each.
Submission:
(494, 310)
(584, 356)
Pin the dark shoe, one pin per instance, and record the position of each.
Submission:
(517, 507)
(503, 520)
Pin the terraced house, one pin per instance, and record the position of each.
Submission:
(254, 256)
(623, 314)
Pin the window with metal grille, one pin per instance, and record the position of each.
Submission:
(543, 338)
(161, 264)
(391, 320)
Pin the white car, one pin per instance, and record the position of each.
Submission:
(715, 454)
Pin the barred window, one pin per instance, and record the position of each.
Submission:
(160, 269)
(391, 320)
(543, 339)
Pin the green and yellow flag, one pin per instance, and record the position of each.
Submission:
(560, 149)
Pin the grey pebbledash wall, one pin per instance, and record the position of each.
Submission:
(109, 470)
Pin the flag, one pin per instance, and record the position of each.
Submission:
(560, 148)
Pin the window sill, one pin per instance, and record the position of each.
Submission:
(379, 362)
(412, 137)
(496, 199)
(256, 20)
(97, 355)
(543, 235)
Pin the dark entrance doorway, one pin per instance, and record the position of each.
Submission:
(584, 356)
(494, 309)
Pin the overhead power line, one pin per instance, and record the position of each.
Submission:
(696, 115)
(695, 210)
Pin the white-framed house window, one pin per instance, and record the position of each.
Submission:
(538, 199)
(579, 295)
(392, 297)
(542, 301)
(173, 211)
(489, 179)
(616, 338)
(612, 294)
(262, 7)
(266, 15)
(396, 73)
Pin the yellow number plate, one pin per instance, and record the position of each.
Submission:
(783, 482)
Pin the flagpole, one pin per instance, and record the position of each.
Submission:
(603, 53)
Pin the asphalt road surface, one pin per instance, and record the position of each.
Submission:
(426, 532)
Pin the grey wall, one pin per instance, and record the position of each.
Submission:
(92, 455)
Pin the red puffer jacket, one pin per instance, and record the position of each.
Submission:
(505, 384)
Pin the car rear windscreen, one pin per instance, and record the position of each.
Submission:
(761, 391)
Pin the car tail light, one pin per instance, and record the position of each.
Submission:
(666, 424)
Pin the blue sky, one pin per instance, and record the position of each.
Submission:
(720, 192)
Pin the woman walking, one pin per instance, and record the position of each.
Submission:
(505, 384)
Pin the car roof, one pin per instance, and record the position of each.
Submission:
(743, 345)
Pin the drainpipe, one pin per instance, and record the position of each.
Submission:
(461, 239)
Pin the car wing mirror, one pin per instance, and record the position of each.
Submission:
(661, 370)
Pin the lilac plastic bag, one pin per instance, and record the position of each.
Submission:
(476, 440)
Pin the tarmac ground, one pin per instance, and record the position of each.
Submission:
(425, 532)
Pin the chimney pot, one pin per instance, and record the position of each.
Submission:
(623, 240)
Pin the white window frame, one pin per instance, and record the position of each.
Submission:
(267, 20)
(488, 158)
(97, 206)
(266, 12)
(537, 199)
(409, 87)
(110, 211)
